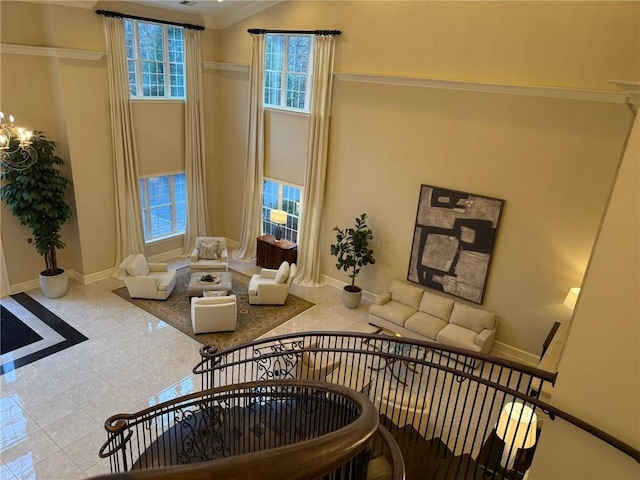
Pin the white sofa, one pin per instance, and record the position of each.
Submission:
(210, 255)
(414, 312)
(214, 314)
(271, 287)
(147, 280)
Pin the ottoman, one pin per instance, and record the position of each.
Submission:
(222, 282)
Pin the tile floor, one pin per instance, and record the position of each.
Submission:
(52, 411)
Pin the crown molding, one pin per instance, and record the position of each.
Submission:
(11, 48)
(605, 96)
(232, 67)
(86, 4)
(632, 89)
(248, 9)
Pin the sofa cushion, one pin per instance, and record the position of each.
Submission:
(436, 305)
(138, 266)
(404, 293)
(472, 318)
(165, 279)
(425, 324)
(394, 312)
(457, 336)
(283, 273)
(209, 249)
(212, 300)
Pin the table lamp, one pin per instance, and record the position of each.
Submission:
(517, 429)
(278, 217)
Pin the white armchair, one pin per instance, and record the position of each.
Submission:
(213, 314)
(271, 287)
(147, 280)
(210, 255)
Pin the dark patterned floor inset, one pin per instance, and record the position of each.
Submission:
(14, 333)
(253, 320)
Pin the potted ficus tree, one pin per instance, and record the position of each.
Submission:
(35, 195)
(352, 253)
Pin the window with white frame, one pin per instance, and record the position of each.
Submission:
(287, 74)
(155, 59)
(281, 196)
(164, 206)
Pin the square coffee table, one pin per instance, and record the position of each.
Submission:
(222, 281)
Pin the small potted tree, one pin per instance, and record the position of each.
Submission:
(35, 195)
(352, 252)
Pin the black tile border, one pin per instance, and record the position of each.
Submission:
(71, 335)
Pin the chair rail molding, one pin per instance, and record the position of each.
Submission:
(232, 67)
(606, 96)
(68, 53)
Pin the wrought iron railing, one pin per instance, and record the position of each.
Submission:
(442, 406)
(282, 429)
(447, 399)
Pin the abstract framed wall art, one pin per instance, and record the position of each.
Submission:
(453, 241)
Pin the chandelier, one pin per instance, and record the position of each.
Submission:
(16, 150)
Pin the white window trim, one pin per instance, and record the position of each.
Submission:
(281, 185)
(165, 62)
(283, 81)
(148, 204)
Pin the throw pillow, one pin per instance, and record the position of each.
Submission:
(138, 266)
(209, 250)
(283, 273)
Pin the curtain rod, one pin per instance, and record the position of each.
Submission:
(262, 31)
(108, 13)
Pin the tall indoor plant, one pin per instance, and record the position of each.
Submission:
(35, 195)
(352, 253)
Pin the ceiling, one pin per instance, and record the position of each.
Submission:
(214, 14)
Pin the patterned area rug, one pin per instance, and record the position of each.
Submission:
(253, 320)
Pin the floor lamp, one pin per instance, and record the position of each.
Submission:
(517, 429)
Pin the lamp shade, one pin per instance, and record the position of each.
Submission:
(278, 217)
(571, 298)
(517, 425)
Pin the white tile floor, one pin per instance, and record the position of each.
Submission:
(52, 411)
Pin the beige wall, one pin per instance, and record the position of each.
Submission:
(599, 373)
(552, 160)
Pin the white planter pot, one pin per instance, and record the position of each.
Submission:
(54, 286)
(351, 299)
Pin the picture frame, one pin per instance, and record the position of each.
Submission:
(453, 241)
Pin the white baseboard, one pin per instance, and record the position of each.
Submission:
(162, 257)
(332, 282)
(505, 350)
(232, 243)
(95, 277)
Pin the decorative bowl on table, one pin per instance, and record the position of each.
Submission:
(208, 278)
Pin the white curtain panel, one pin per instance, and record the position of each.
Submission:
(310, 238)
(254, 165)
(197, 217)
(129, 233)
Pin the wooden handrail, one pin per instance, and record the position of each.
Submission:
(304, 460)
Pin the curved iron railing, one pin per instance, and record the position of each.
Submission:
(441, 406)
(444, 395)
(282, 429)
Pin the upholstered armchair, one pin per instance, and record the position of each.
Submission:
(210, 255)
(213, 314)
(271, 287)
(147, 280)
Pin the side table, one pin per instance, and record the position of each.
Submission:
(271, 253)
